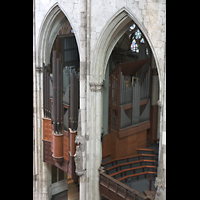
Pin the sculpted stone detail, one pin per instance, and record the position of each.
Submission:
(80, 149)
(79, 161)
(160, 184)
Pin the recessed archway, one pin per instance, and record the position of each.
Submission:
(108, 39)
(52, 23)
(57, 41)
(110, 35)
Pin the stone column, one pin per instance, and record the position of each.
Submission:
(42, 170)
(160, 181)
(93, 147)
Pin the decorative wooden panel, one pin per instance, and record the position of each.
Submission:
(116, 147)
(47, 154)
(55, 155)
(47, 129)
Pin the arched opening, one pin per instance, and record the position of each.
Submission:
(59, 56)
(53, 21)
(130, 118)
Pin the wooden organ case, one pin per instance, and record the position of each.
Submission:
(61, 104)
(129, 109)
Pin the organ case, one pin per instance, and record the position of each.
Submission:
(129, 108)
(60, 106)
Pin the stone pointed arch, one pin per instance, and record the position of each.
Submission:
(53, 21)
(111, 33)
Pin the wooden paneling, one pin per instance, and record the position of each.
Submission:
(106, 146)
(152, 135)
(47, 154)
(127, 142)
(47, 157)
(127, 146)
(115, 190)
(47, 129)
(134, 129)
(59, 146)
(66, 148)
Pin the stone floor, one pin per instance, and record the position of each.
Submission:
(71, 194)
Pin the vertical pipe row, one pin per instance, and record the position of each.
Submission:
(57, 113)
(61, 97)
(58, 93)
(71, 99)
(125, 92)
(74, 98)
(46, 91)
(136, 102)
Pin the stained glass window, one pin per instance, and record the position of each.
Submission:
(134, 46)
(147, 51)
(138, 34)
(132, 27)
(142, 41)
(136, 38)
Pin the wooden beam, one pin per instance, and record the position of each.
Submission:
(134, 129)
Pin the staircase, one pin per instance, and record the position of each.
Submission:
(137, 172)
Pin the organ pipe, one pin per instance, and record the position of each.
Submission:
(46, 91)
(130, 93)
(58, 94)
(54, 92)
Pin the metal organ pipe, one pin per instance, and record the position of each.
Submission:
(49, 101)
(72, 99)
(58, 95)
(54, 92)
(61, 97)
(136, 102)
(44, 91)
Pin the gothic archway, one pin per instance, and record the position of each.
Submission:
(109, 36)
(58, 57)
(52, 23)
(108, 39)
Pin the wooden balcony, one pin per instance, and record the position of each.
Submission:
(112, 189)
(59, 149)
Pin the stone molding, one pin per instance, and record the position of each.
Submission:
(96, 87)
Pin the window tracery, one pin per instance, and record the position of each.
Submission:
(136, 38)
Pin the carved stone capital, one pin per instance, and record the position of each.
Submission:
(96, 87)
(38, 69)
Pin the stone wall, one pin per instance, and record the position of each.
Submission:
(91, 21)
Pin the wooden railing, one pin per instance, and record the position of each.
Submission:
(138, 156)
(115, 190)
